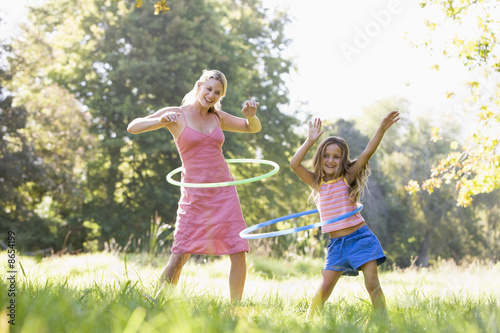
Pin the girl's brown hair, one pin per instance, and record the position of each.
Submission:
(357, 187)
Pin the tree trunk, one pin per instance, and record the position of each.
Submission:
(423, 254)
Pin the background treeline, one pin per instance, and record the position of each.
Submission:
(72, 178)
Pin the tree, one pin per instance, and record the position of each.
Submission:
(21, 174)
(434, 225)
(160, 7)
(474, 166)
(120, 63)
(40, 177)
(418, 226)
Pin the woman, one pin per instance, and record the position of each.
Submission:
(209, 220)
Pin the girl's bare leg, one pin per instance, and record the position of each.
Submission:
(330, 279)
(373, 287)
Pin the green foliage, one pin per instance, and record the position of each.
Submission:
(474, 166)
(279, 269)
(38, 182)
(107, 295)
(121, 63)
(416, 228)
(158, 234)
(160, 7)
(72, 177)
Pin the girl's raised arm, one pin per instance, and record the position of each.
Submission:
(296, 162)
(372, 146)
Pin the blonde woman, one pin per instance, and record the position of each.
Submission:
(209, 220)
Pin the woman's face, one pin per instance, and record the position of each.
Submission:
(331, 160)
(210, 92)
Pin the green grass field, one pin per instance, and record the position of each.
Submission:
(102, 292)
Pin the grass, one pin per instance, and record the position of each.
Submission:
(106, 293)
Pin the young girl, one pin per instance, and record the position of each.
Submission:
(337, 184)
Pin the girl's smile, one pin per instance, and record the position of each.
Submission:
(331, 160)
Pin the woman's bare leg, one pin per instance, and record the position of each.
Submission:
(172, 271)
(237, 275)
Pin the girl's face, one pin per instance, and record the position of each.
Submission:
(332, 157)
(210, 92)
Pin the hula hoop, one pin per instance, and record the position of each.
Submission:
(229, 183)
(245, 233)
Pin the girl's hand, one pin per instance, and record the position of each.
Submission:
(315, 130)
(389, 120)
(250, 108)
(169, 117)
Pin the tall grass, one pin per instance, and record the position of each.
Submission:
(109, 293)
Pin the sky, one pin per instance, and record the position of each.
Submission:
(349, 55)
(11, 13)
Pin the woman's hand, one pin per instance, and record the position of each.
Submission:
(169, 117)
(250, 108)
(315, 130)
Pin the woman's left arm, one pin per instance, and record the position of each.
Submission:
(249, 124)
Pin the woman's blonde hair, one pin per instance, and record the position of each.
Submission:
(357, 187)
(207, 75)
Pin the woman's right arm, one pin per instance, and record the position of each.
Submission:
(161, 118)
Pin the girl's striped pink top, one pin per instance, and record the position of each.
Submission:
(332, 201)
